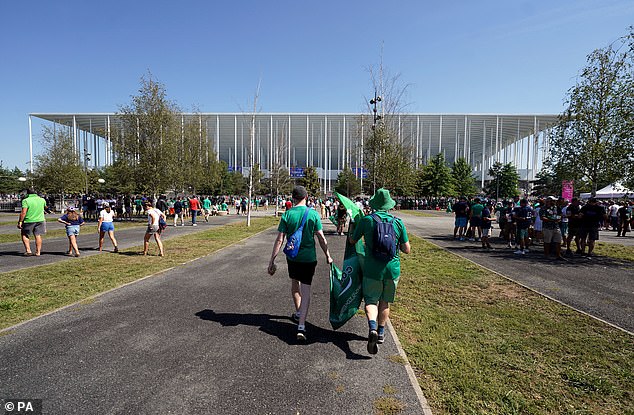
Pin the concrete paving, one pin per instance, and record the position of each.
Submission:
(210, 337)
(601, 287)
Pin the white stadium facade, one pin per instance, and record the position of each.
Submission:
(329, 142)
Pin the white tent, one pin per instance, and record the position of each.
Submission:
(612, 191)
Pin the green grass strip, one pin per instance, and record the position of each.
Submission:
(481, 344)
(28, 293)
(90, 227)
(420, 213)
(616, 251)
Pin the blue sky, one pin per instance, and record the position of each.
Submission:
(458, 56)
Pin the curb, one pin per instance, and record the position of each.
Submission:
(410, 372)
(531, 289)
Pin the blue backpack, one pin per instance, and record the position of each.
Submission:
(384, 241)
(293, 242)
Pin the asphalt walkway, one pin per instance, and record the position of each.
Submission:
(213, 336)
(601, 287)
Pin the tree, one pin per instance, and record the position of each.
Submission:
(258, 187)
(57, 168)
(435, 178)
(504, 181)
(463, 178)
(9, 183)
(151, 142)
(311, 182)
(547, 183)
(593, 138)
(387, 159)
(347, 183)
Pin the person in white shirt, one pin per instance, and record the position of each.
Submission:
(613, 212)
(153, 217)
(106, 224)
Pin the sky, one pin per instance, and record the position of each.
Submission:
(499, 56)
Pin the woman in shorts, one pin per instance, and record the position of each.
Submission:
(153, 217)
(73, 221)
(106, 224)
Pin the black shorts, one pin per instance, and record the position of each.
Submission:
(301, 271)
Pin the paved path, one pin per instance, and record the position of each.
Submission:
(601, 287)
(210, 337)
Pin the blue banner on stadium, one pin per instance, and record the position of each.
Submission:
(232, 169)
(360, 172)
(297, 172)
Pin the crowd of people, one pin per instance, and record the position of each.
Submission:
(553, 222)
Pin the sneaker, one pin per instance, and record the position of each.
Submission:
(381, 338)
(471, 240)
(301, 335)
(461, 238)
(194, 224)
(116, 249)
(519, 252)
(526, 251)
(373, 337)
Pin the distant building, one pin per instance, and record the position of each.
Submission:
(331, 141)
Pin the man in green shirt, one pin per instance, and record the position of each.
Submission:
(380, 274)
(32, 220)
(207, 207)
(301, 269)
(476, 219)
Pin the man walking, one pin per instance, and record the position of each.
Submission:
(522, 216)
(301, 268)
(461, 210)
(382, 263)
(551, 220)
(591, 216)
(194, 206)
(32, 220)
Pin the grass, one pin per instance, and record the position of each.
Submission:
(420, 213)
(616, 251)
(61, 233)
(32, 292)
(480, 344)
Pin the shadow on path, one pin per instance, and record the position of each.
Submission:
(285, 330)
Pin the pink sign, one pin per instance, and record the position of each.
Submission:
(567, 189)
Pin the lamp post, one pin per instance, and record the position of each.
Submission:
(87, 156)
(375, 118)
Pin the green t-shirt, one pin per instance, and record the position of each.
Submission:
(476, 210)
(35, 208)
(224, 207)
(206, 204)
(291, 219)
(374, 268)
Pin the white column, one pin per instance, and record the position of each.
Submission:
(343, 145)
(455, 155)
(417, 140)
(307, 134)
(217, 137)
(484, 134)
(235, 141)
(30, 145)
(75, 146)
(289, 144)
(440, 137)
(497, 136)
(325, 154)
(464, 144)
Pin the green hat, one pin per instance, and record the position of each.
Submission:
(382, 200)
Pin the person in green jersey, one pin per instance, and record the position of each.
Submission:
(301, 269)
(207, 208)
(32, 221)
(380, 274)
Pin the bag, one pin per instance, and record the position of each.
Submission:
(384, 241)
(294, 241)
(161, 223)
(346, 290)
